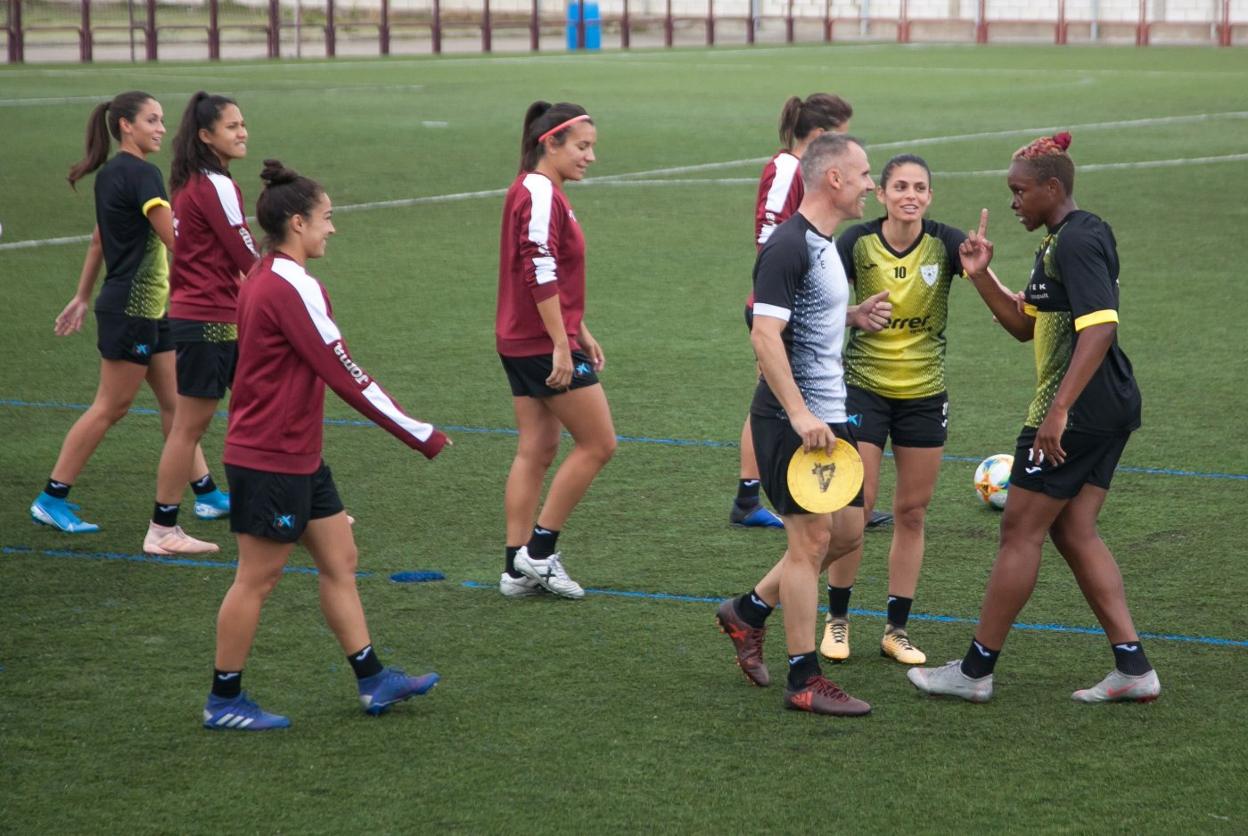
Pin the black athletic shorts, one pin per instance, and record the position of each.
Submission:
(278, 506)
(912, 422)
(1090, 460)
(207, 356)
(775, 442)
(527, 375)
(131, 338)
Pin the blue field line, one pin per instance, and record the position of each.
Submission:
(184, 562)
(943, 619)
(629, 439)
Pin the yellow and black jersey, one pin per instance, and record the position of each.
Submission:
(906, 359)
(136, 281)
(1074, 285)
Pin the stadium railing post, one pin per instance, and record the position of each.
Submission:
(486, 34)
(1059, 32)
(85, 40)
(624, 28)
(535, 43)
(789, 24)
(827, 21)
(383, 29)
(14, 31)
(149, 31)
(710, 22)
(214, 30)
(1141, 28)
(1224, 36)
(331, 31)
(435, 30)
(667, 25)
(981, 23)
(275, 22)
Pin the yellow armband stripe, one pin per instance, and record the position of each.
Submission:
(1030, 310)
(1095, 318)
(154, 202)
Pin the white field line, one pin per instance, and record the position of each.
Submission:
(640, 177)
(60, 100)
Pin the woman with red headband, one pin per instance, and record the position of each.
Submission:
(551, 359)
(1085, 407)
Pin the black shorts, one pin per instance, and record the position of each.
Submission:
(775, 442)
(527, 375)
(1090, 460)
(278, 506)
(207, 355)
(134, 339)
(912, 422)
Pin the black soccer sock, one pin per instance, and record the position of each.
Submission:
(979, 660)
(166, 515)
(1129, 658)
(898, 611)
(747, 493)
(227, 684)
(364, 662)
(802, 668)
(203, 485)
(838, 601)
(509, 566)
(542, 543)
(753, 610)
(56, 489)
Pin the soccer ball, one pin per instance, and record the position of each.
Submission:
(992, 479)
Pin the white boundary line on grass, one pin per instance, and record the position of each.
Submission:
(641, 177)
(35, 101)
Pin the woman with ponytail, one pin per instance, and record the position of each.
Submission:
(550, 357)
(214, 251)
(779, 193)
(1085, 407)
(132, 237)
(281, 490)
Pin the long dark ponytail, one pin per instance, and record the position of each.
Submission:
(286, 193)
(540, 118)
(190, 154)
(820, 110)
(106, 119)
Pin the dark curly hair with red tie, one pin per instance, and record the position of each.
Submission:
(1046, 159)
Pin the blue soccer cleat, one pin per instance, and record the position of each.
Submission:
(240, 714)
(59, 513)
(382, 690)
(756, 517)
(212, 506)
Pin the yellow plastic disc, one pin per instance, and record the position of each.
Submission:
(823, 483)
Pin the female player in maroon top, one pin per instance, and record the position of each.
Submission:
(281, 491)
(550, 357)
(214, 251)
(779, 193)
(133, 233)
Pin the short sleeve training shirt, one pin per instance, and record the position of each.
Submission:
(1074, 285)
(136, 281)
(799, 278)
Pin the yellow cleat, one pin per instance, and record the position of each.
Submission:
(835, 644)
(896, 644)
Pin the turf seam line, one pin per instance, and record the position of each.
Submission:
(942, 619)
(629, 439)
(184, 562)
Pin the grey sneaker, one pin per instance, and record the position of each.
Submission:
(948, 680)
(548, 573)
(1119, 687)
(523, 587)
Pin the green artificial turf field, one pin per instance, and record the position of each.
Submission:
(625, 712)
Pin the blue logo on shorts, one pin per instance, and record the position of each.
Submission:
(286, 521)
(142, 349)
(854, 420)
(582, 368)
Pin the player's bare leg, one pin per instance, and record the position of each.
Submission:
(843, 572)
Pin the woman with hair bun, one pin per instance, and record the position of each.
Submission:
(550, 357)
(1085, 408)
(214, 251)
(780, 192)
(281, 490)
(132, 238)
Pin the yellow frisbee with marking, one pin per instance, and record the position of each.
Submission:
(823, 483)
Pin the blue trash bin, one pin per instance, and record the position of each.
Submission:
(593, 25)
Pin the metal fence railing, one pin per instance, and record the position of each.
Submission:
(149, 30)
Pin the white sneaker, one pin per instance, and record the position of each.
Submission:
(548, 573)
(1119, 687)
(167, 541)
(948, 680)
(523, 587)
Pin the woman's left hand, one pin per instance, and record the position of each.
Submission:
(591, 347)
(1048, 443)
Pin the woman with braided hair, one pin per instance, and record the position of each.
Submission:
(1085, 407)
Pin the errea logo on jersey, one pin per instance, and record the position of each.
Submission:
(361, 377)
(911, 323)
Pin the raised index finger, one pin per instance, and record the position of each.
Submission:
(983, 222)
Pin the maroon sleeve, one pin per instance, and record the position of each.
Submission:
(537, 227)
(306, 323)
(225, 217)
